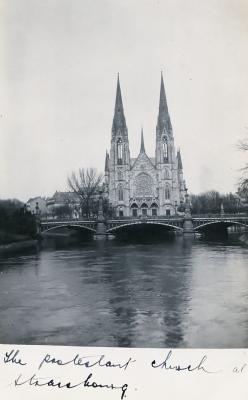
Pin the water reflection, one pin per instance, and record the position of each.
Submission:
(175, 293)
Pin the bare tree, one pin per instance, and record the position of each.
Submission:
(86, 184)
(243, 182)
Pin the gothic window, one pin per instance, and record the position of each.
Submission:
(166, 174)
(167, 192)
(143, 185)
(120, 193)
(119, 152)
(165, 150)
(120, 175)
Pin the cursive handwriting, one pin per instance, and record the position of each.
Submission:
(11, 357)
(52, 382)
(168, 365)
(86, 361)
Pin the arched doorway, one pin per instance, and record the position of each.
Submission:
(134, 209)
(154, 208)
(144, 209)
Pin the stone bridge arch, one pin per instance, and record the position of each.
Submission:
(76, 227)
(132, 225)
(218, 225)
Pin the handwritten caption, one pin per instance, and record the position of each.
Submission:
(92, 364)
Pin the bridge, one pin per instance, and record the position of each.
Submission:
(186, 224)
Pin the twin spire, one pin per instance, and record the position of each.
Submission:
(164, 122)
(119, 121)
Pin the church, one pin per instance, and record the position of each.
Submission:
(144, 186)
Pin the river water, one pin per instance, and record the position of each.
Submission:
(175, 293)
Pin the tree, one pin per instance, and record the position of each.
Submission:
(16, 223)
(62, 211)
(205, 203)
(86, 184)
(243, 182)
(210, 203)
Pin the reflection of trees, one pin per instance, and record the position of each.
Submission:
(122, 310)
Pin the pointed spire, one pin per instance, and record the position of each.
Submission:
(107, 161)
(163, 116)
(142, 144)
(119, 121)
(179, 160)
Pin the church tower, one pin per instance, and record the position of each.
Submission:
(164, 133)
(119, 159)
(165, 159)
(143, 186)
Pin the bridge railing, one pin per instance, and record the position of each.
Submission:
(143, 217)
(218, 215)
(66, 220)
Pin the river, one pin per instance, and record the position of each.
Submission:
(174, 293)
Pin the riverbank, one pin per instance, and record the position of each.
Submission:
(17, 246)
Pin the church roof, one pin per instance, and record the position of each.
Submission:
(64, 197)
(133, 159)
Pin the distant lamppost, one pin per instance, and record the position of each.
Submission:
(237, 203)
(37, 218)
(175, 207)
(100, 206)
(222, 211)
(187, 204)
(37, 209)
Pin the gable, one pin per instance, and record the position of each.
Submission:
(142, 163)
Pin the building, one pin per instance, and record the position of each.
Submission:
(37, 205)
(144, 186)
(63, 204)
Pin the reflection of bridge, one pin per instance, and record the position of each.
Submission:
(189, 224)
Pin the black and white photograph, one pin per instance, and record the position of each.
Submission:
(124, 173)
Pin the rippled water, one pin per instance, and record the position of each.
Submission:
(180, 293)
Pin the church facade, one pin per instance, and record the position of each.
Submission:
(144, 186)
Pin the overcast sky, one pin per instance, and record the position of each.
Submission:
(58, 68)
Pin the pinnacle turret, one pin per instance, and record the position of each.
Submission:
(119, 121)
(107, 162)
(164, 122)
(179, 160)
